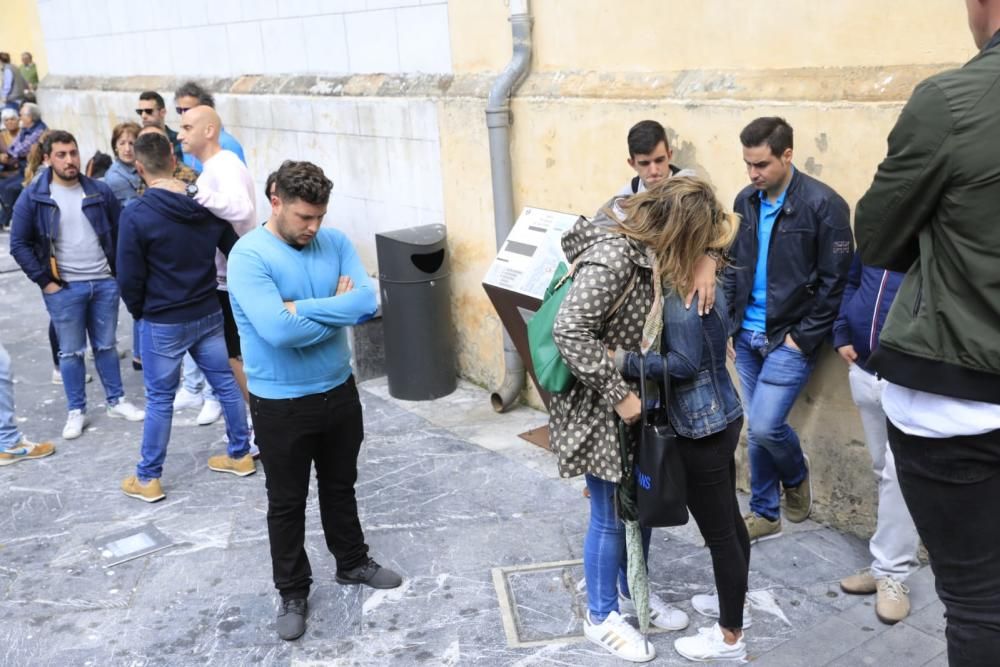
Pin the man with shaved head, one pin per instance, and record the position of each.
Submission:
(225, 188)
(190, 95)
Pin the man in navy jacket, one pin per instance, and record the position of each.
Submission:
(63, 237)
(166, 271)
(789, 264)
(868, 296)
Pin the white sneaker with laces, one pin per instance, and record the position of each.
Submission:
(210, 412)
(185, 399)
(708, 605)
(619, 638)
(76, 421)
(125, 410)
(661, 614)
(709, 644)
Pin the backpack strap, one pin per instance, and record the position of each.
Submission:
(635, 185)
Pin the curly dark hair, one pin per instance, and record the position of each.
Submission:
(304, 181)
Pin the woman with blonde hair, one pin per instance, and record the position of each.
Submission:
(621, 260)
(679, 221)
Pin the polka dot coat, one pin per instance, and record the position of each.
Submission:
(582, 422)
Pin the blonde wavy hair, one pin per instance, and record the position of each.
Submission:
(679, 219)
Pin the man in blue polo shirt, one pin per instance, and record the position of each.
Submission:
(295, 287)
(789, 266)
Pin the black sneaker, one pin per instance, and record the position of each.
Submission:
(370, 574)
(292, 618)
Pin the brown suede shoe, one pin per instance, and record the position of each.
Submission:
(150, 492)
(24, 450)
(799, 499)
(862, 583)
(240, 467)
(892, 601)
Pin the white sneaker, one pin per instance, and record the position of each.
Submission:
(661, 614)
(186, 399)
(57, 377)
(76, 421)
(709, 645)
(619, 638)
(210, 412)
(708, 605)
(127, 411)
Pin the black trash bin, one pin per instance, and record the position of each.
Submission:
(414, 279)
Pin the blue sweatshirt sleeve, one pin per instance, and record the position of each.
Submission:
(354, 307)
(131, 265)
(253, 288)
(841, 328)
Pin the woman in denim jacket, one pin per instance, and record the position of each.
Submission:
(707, 415)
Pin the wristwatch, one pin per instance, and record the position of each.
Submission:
(191, 190)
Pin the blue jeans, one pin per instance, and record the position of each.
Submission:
(78, 309)
(9, 433)
(163, 347)
(604, 551)
(771, 381)
(194, 380)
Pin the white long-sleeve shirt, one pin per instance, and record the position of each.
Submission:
(225, 188)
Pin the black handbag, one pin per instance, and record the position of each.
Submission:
(661, 482)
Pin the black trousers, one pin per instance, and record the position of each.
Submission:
(293, 434)
(711, 488)
(952, 489)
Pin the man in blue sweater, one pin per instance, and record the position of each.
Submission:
(868, 296)
(295, 287)
(166, 273)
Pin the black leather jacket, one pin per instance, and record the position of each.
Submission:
(808, 261)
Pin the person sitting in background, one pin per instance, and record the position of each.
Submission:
(9, 128)
(122, 177)
(98, 165)
(16, 157)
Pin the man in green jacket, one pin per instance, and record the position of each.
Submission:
(933, 211)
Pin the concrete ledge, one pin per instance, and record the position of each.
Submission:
(816, 84)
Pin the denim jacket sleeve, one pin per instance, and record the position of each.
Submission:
(682, 344)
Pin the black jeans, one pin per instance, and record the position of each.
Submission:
(952, 488)
(292, 434)
(711, 488)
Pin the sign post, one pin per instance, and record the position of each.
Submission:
(522, 269)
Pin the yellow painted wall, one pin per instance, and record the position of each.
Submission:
(839, 72)
(20, 30)
(667, 35)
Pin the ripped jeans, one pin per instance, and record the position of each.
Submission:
(78, 309)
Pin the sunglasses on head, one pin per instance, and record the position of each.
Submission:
(143, 112)
(181, 110)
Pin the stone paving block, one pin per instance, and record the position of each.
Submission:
(940, 660)
(808, 557)
(921, 585)
(900, 646)
(822, 643)
(929, 620)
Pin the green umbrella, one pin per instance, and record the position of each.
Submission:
(628, 510)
